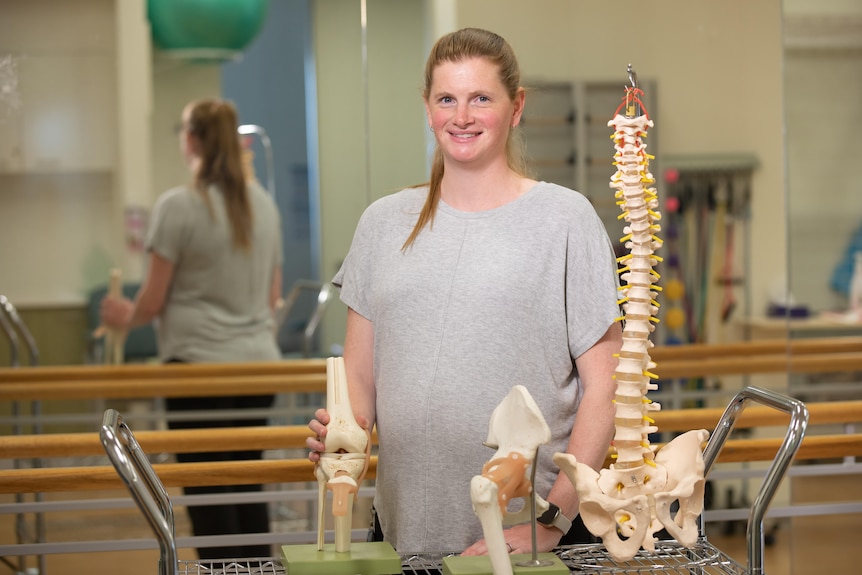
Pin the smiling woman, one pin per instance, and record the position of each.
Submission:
(461, 288)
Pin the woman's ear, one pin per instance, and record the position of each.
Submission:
(520, 101)
(428, 115)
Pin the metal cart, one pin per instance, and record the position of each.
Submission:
(669, 557)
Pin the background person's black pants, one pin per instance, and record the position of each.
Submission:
(232, 518)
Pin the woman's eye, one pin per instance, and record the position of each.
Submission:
(446, 100)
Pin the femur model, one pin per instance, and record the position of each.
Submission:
(628, 503)
(344, 461)
(516, 429)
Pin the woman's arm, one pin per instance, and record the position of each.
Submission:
(594, 426)
(275, 289)
(359, 366)
(121, 313)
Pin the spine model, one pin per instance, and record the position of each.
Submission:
(639, 205)
(628, 503)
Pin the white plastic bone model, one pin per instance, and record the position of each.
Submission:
(628, 503)
(114, 339)
(517, 428)
(344, 460)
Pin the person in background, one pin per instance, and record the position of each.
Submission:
(458, 290)
(841, 280)
(212, 282)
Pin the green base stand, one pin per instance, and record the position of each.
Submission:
(481, 565)
(376, 558)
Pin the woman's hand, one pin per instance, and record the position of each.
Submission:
(318, 427)
(116, 312)
(519, 539)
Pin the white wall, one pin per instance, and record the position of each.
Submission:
(61, 218)
(57, 214)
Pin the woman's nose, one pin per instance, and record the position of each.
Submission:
(463, 115)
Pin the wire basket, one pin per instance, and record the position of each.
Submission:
(263, 566)
(669, 558)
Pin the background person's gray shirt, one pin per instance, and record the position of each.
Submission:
(217, 307)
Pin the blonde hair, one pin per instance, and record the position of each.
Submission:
(457, 46)
(213, 124)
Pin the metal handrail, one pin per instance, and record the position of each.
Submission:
(7, 328)
(147, 490)
(12, 313)
(249, 129)
(783, 458)
(12, 325)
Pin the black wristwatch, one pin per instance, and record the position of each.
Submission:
(553, 517)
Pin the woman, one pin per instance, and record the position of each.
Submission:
(212, 282)
(459, 289)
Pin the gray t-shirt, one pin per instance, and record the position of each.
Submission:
(482, 301)
(217, 306)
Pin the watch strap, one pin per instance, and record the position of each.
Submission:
(553, 517)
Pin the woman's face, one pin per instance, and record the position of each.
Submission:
(186, 144)
(470, 111)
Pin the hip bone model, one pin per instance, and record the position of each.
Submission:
(517, 428)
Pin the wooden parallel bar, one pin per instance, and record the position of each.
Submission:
(813, 447)
(158, 371)
(171, 441)
(293, 436)
(820, 413)
(64, 479)
(164, 387)
(758, 364)
(61, 479)
(824, 355)
(842, 344)
(316, 382)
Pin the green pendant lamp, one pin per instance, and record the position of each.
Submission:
(205, 30)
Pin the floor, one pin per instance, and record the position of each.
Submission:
(801, 546)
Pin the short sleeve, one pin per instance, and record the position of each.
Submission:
(592, 283)
(165, 232)
(353, 278)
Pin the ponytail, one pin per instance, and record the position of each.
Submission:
(213, 123)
